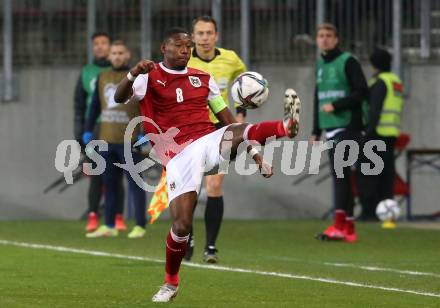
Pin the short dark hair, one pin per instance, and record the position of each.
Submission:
(204, 18)
(173, 31)
(101, 33)
(328, 26)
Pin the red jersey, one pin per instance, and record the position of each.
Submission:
(177, 99)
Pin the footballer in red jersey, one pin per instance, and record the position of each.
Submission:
(175, 98)
(178, 98)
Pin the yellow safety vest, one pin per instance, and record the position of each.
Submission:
(389, 120)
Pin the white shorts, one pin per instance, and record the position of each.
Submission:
(185, 171)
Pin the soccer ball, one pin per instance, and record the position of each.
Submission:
(388, 209)
(250, 90)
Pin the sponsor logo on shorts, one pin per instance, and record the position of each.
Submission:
(172, 186)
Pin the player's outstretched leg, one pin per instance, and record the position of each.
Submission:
(181, 210)
(260, 132)
(236, 134)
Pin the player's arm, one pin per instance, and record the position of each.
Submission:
(358, 87)
(225, 115)
(316, 132)
(377, 97)
(125, 88)
(218, 104)
(92, 116)
(79, 109)
(95, 110)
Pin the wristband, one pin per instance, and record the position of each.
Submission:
(253, 152)
(130, 77)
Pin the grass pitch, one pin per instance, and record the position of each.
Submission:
(386, 268)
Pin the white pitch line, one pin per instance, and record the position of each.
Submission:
(363, 267)
(218, 268)
(382, 269)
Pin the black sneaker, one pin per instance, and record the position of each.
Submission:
(189, 249)
(210, 255)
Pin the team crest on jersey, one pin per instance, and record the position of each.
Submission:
(195, 81)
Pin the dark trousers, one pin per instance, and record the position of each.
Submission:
(112, 176)
(96, 191)
(375, 188)
(342, 192)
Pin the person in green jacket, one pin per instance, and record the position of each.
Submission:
(340, 92)
(84, 89)
(385, 107)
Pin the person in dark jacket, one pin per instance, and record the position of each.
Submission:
(385, 106)
(340, 92)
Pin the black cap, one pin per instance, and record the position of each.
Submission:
(381, 59)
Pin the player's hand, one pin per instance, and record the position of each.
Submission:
(143, 67)
(265, 169)
(328, 108)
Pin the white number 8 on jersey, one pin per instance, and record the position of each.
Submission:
(179, 95)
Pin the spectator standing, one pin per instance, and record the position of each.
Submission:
(84, 89)
(114, 120)
(340, 92)
(385, 107)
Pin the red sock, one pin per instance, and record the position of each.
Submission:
(175, 251)
(261, 131)
(349, 225)
(339, 219)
